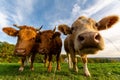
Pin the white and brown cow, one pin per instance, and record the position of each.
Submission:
(83, 38)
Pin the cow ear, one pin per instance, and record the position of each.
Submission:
(65, 29)
(107, 22)
(10, 31)
(56, 34)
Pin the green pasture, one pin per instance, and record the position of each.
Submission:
(99, 71)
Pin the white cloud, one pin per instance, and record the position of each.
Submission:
(100, 4)
(17, 12)
(76, 10)
(23, 10)
(3, 20)
(94, 8)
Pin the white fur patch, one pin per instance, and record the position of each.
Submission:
(70, 62)
(21, 69)
(86, 71)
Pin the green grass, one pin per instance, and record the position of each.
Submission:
(99, 71)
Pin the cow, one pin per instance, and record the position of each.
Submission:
(49, 43)
(83, 38)
(26, 36)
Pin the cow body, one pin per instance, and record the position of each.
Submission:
(49, 43)
(26, 39)
(83, 38)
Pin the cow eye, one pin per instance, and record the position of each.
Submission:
(50, 39)
(33, 38)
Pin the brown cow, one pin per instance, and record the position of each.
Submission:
(49, 43)
(84, 38)
(26, 39)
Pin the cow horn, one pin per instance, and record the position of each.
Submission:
(16, 25)
(54, 29)
(39, 28)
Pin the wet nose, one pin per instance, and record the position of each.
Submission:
(20, 50)
(42, 50)
(91, 36)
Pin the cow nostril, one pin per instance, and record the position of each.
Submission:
(81, 38)
(97, 37)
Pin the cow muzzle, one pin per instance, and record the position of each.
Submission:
(90, 42)
(20, 52)
(88, 38)
(43, 51)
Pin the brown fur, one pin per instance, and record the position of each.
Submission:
(49, 43)
(26, 39)
(10, 31)
(84, 38)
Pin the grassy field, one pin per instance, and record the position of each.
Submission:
(99, 71)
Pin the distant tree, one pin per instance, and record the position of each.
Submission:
(6, 52)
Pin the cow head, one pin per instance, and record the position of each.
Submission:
(45, 40)
(26, 38)
(85, 35)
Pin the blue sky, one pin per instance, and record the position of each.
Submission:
(51, 13)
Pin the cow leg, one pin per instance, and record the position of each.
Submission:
(29, 59)
(22, 64)
(69, 61)
(46, 60)
(32, 60)
(86, 71)
(58, 62)
(74, 60)
(50, 63)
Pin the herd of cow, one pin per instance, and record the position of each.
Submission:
(82, 38)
